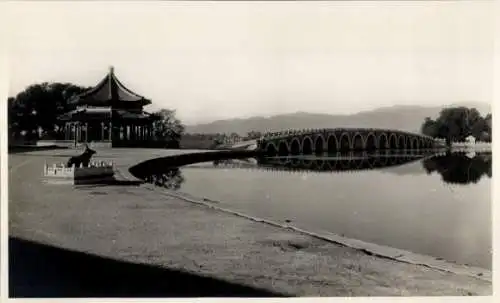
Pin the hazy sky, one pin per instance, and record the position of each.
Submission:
(220, 60)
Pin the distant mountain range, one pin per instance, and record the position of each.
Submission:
(407, 118)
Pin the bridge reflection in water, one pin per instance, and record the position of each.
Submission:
(454, 168)
(340, 162)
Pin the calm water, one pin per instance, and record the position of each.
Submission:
(438, 205)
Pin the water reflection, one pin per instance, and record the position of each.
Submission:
(328, 164)
(455, 168)
(170, 179)
(460, 168)
(398, 200)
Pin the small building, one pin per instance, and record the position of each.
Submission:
(109, 114)
(470, 139)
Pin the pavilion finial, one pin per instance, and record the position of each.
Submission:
(111, 69)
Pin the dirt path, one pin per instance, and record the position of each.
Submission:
(137, 225)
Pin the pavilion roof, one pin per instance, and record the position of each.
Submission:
(107, 91)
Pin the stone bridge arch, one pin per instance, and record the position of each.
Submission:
(344, 142)
(371, 143)
(307, 145)
(332, 143)
(319, 144)
(383, 141)
(283, 148)
(401, 142)
(407, 142)
(357, 142)
(270, 149)
(393, 141)
(295, 146)
(414, 143)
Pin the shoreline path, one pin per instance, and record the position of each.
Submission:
(140, 226)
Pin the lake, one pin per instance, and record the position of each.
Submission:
(438, 205)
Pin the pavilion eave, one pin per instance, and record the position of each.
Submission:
(109, 91)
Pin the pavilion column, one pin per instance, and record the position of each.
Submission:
(79, 131)
(86, 132)
(102, 131)
(110, 127)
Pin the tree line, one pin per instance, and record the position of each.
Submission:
(455, 124)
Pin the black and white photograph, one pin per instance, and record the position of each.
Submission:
(213, 149)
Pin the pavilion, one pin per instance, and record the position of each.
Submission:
(109, 114)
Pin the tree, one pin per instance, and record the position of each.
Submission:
(39, 105)
(429, 127)
(456, 123)
(167, 127)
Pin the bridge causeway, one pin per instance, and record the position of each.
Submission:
(330, 140)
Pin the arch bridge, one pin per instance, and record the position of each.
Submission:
(331, 140)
